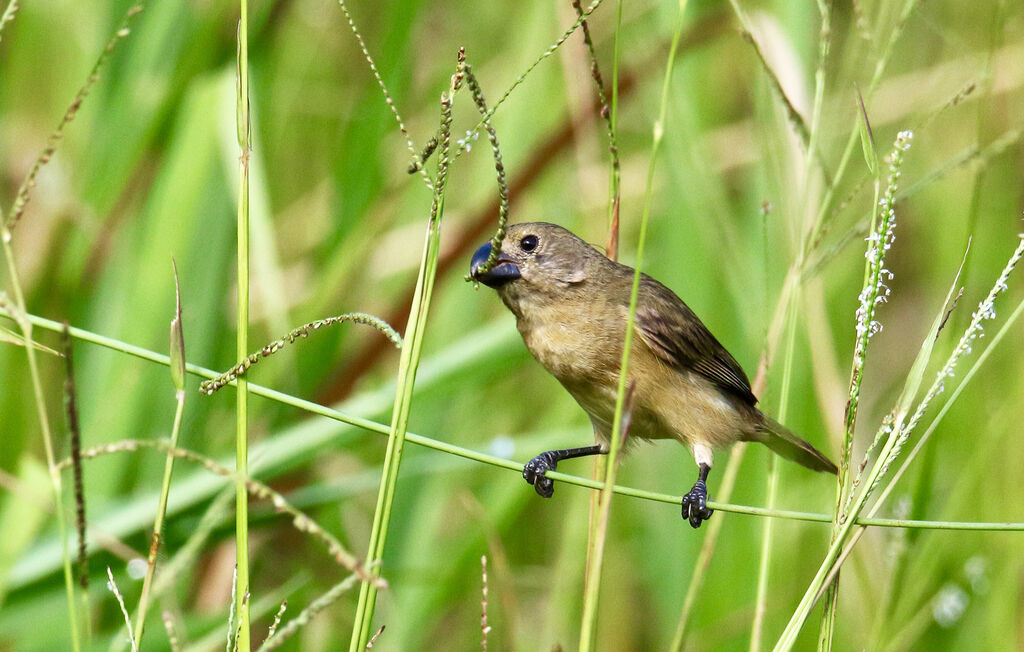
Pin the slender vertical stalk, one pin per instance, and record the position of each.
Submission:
(707, 549)
(20, 315)
(177, 368)
(828, 201)
(20, 311)
(764, 565)
(788, 638)
(144, 598)
(408, 364)
(761, 599)
(242, 339)
(610, 113)
(78, 486)
(613, 124)
(588, 629)
(874, 292)
(824, 45)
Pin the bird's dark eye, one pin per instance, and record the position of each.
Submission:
(528, 243)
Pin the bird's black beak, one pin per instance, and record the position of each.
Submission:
(503, 271)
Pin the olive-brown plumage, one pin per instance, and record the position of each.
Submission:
(571, 305)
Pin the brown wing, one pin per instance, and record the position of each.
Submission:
(675, 334)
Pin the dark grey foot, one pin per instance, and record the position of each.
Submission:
(695, 507)
(535, 470)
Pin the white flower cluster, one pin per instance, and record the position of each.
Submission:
(875, 291)
(464, 143)
(986, 310)
(949, 604)
(974, 330)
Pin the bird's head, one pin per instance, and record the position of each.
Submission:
(538, 260)
(535, 254)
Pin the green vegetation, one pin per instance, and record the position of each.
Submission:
(772, 160)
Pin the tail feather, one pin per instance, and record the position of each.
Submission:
(777, 437)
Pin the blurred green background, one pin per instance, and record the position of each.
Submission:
(147, 172)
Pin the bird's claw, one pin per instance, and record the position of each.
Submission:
(695, 506)
(535, 470)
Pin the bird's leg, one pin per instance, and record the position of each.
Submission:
(695, 506)
(535, 469)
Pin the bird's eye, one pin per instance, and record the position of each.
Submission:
(528, 243)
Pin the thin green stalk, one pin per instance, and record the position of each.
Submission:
(788, 638)
(598, 534)
(177, 356)
(20, 310)
(613, 122)
(588, 629)
(707, 548)
(851, 142)
(244, 129)
(407, 367)
(872, 292)
(144, 597)
(824, 45)
(764, 567)
(610, 114)
(25, 325)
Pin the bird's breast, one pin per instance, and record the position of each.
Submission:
(573, 350)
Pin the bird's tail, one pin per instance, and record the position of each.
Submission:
(777, 437)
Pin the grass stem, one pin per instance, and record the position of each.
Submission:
(408, 364)
(764, 566)
(177, 358)
(244, 129)
(588, 628)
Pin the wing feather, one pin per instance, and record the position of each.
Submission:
(676, 335)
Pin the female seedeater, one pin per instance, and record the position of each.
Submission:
(571, 305)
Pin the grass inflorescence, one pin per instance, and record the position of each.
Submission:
(210, 386)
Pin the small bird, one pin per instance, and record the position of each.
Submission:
(571, 305)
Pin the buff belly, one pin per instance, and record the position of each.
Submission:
(689, 410)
